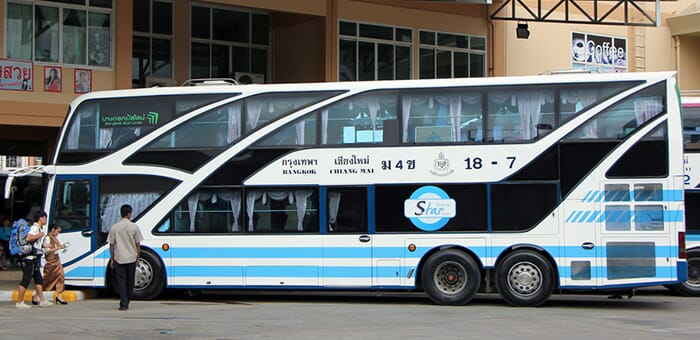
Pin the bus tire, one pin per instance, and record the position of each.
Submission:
(451, 277)
(150, 277)
(525, 279)
(691, 287)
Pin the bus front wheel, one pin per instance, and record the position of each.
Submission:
(451, 277)
(691, 287)
(525, 278)
(150, 277)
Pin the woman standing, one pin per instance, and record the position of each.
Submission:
(53, 269)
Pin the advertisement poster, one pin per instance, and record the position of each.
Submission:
(598, 52)
(83, 80)
(52, 79)
(16, 75)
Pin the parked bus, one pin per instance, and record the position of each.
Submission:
(691, 136)
(522, 185)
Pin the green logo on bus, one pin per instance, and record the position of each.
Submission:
(152, 118)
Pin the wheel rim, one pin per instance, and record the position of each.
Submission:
(450, 277)
(693, 273)
(144, 274)
(525, 278)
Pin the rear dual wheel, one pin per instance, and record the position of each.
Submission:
(525, 278)
(451, 277)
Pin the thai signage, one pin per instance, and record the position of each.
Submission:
(598, 52)
(128, 119)
(16, 75)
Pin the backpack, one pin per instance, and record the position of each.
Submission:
(18, 235)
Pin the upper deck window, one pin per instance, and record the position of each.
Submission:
(626, 116)
(226, 124)
(104, 124)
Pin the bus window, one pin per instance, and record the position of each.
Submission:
(72, 204)
(111, 123)
(347, 210)
(623, 118)
(300, 133)
(519, 114)
(277, 211)
(691, 126)
(140, 192)
(211, 210)
(441, 117)
(364, 119)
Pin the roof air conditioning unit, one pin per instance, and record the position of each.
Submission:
(160, 82)
(249, 78)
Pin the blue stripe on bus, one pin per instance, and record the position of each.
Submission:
(661, 272)
(81, 272)
(380, 252)
(585, 215)
(616, 216)
(593, 216)
(586, 196)
(639, 196)
(355, 271)
(692, 237)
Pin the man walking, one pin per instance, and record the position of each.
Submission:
(124, 252)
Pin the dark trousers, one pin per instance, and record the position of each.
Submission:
(31, 270)
(125, 276)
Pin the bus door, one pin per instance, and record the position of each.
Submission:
(634, 235)
(74, 208)
(347, 245)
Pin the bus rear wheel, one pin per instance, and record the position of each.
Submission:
(691, 287)
(525, 279)
(150, 277)
(451, 277)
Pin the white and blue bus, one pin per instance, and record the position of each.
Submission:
(691, 134)
(522, 185)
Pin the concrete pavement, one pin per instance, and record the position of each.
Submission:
(9, 280)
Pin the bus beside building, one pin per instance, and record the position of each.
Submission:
(523, 185)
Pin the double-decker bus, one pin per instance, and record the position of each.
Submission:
(522, 185)
(691, 135)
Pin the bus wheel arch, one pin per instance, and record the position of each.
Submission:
(525, 276)
(691, 287)
(150, 276)
(450, 276)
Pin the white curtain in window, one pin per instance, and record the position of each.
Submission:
(324, 129)
(529, 107)
(253, 110)
(333, 205)
(251, 197)
(455, 115)
(192, 203)
(406, 113)
(583, 98)
(112, 204)
(646, 108)
(300, 197)
(72, 141)
(105, 138)
(234, 116)
(234, 197)
(373, 108)
(300, 132)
